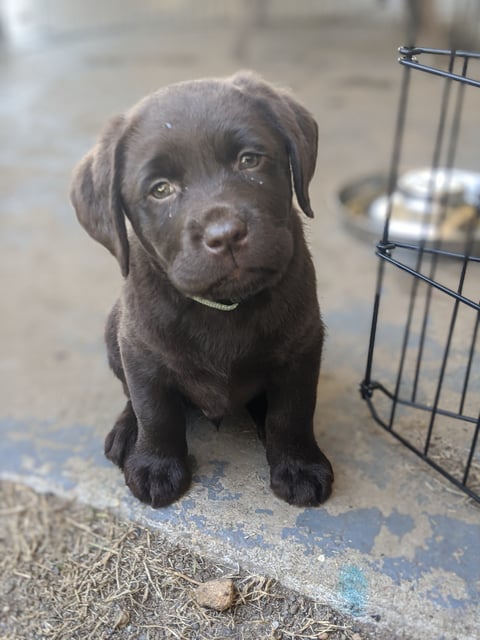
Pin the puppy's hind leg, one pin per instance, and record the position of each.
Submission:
(121, 439)
(113, 348)
(257, 408)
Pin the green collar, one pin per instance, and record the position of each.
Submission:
(216, 305)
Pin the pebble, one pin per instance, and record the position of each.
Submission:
(216, 594)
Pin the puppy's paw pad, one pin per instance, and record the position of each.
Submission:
(121, 439)
(301, 483)
(157, 481)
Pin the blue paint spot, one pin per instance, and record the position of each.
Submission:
(399, 523)
(182, 513)
(356, 529)
(240, 538)
(353, 589)
(267, 512)
(213, 483)
(46, 446)
(453, 548)
(185, 513)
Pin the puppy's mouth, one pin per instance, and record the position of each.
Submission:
(238, 286)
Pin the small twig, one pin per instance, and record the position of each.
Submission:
(183, 576)
(10, 511)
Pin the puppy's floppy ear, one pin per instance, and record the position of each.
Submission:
(95, 193)
(295, 124)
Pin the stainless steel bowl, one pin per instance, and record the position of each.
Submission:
(426, 206)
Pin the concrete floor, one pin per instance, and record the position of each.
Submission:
(395, 544)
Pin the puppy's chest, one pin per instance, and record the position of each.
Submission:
(217, 395)
(219, 381)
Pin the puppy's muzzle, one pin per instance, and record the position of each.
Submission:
(226, 235)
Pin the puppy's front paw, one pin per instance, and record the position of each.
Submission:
(300, 482)
(156, 480)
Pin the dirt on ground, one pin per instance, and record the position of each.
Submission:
(70, 571)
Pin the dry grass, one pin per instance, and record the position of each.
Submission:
(70, 572)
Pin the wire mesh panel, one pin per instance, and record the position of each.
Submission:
(422, 379)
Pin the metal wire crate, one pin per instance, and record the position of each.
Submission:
(422, 378)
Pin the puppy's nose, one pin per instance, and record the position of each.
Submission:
(221, 236)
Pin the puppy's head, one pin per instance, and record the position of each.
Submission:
(203, 171)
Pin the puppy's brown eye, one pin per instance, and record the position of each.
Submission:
(249, 161)
(161, 190)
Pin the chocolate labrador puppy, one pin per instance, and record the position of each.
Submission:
(191, 191)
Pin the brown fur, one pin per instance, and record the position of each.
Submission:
(226, 230)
